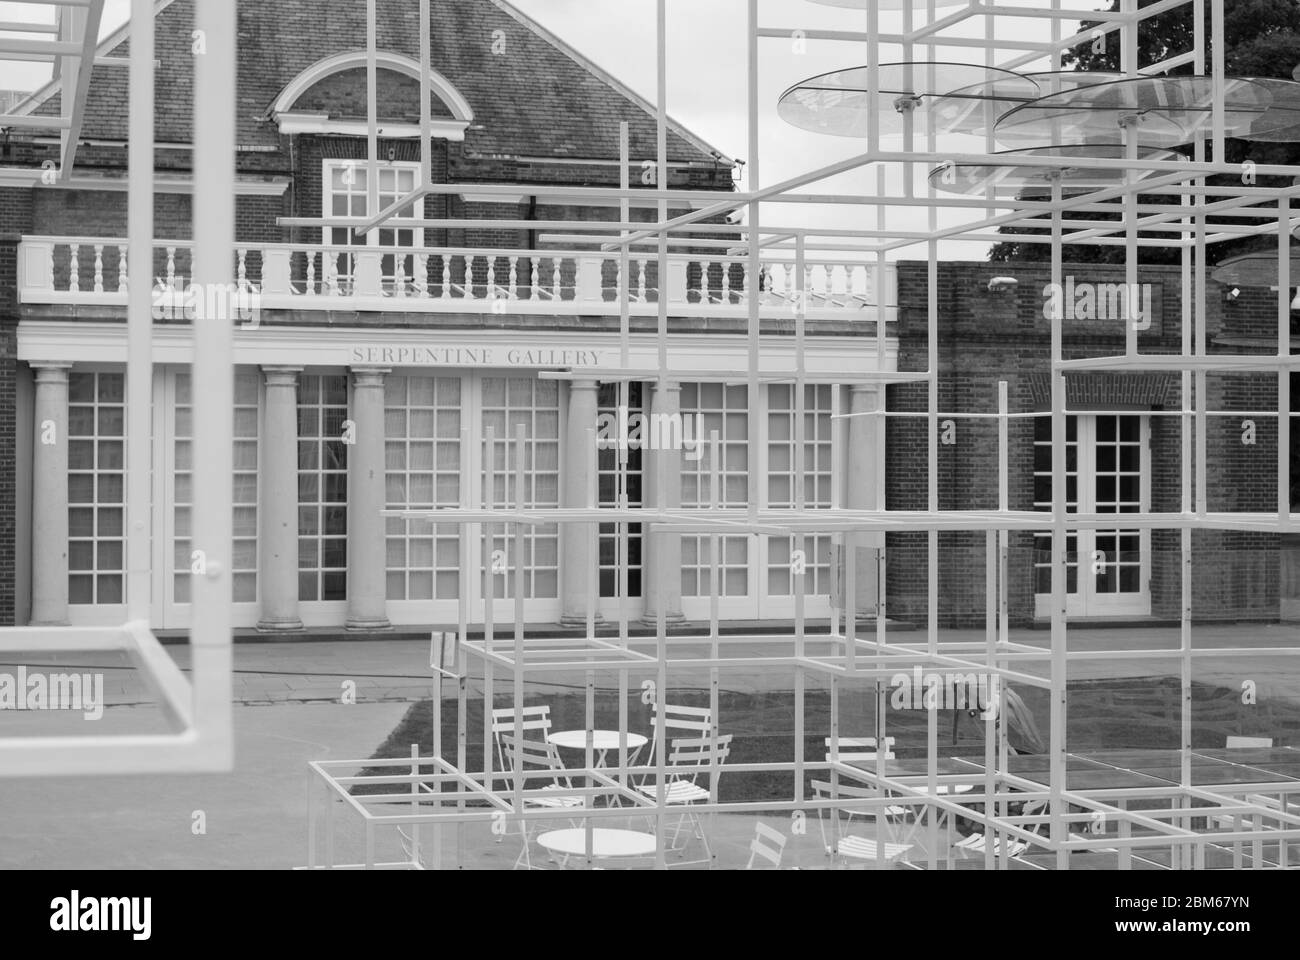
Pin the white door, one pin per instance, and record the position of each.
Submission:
(724, 409)
(1108, 572)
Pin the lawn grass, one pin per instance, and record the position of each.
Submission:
(1138, 713)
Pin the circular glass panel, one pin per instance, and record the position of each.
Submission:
(1164, 112)
(838, 102)
(1280, 123)
(1258, 269)
(1021, 179)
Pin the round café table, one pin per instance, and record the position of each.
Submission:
(606, 843)
(602, 741)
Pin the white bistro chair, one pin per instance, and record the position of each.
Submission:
(844, 849)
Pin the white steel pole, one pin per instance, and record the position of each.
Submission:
(372, 113)
(139, 366)
(214, 238)
(1057, 742)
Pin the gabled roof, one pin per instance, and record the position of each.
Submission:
(530, 93)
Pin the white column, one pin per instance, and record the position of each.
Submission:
(862, 484)
(579, 560)
(50, 496)
(367, 607)
(662, 551)
(278, 510)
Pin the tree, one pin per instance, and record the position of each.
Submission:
(1261, 39)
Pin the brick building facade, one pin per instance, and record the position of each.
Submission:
(434, 337)
(992, 335)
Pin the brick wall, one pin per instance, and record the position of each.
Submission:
(988, 336)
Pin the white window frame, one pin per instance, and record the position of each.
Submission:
(95, 614)
(1086, 602)
(328, 166)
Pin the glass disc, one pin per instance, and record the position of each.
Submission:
(958, 114)
(1257, 269)
(1168, 111)
(1025, 180)
(1280, 123)
(837, 102)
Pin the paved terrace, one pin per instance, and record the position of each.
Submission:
(394, 668)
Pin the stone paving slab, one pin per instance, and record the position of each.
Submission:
(256, 816)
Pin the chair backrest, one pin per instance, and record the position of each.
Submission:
(855, 748)
(823, 790)
(537, 720)
(768, 844)
(1244, 743)
(688, 721)
(536, 717)
(536, 754)
(698, 751)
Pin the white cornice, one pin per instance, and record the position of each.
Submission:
(826, 357)
(294, 121)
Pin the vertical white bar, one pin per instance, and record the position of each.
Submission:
(661, 463)
(754, 266)
(661, 180)
(214, 240)
(517, 669)
(1056, 747)
(1284, 284)
(426, 91)
(1129, 66)
(139, 322)
(372, 113)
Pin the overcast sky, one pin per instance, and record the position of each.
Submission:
(708, 87)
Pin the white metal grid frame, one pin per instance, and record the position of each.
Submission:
(1169, 816)
(198, 708)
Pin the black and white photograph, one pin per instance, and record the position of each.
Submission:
(642, 435)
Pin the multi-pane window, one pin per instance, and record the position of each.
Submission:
(422, 418)
(243, 564)
(322, 488)
(347, 196)
(786, 470)
(96, 487)
(534, 405)
(710, 407)
(1043, 501)
(619, 469)
(1104, 456)
(1117, 554)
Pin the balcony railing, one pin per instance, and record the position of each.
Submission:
(95, 270)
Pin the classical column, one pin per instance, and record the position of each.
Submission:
(50, 496)
(579, 559)
(862, 485)
(367, 573)
(662, 551)
(278, 510)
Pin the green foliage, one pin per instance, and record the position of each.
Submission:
(1261, 39)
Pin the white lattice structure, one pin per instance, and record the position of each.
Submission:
(1181, 818)
(197, 709)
